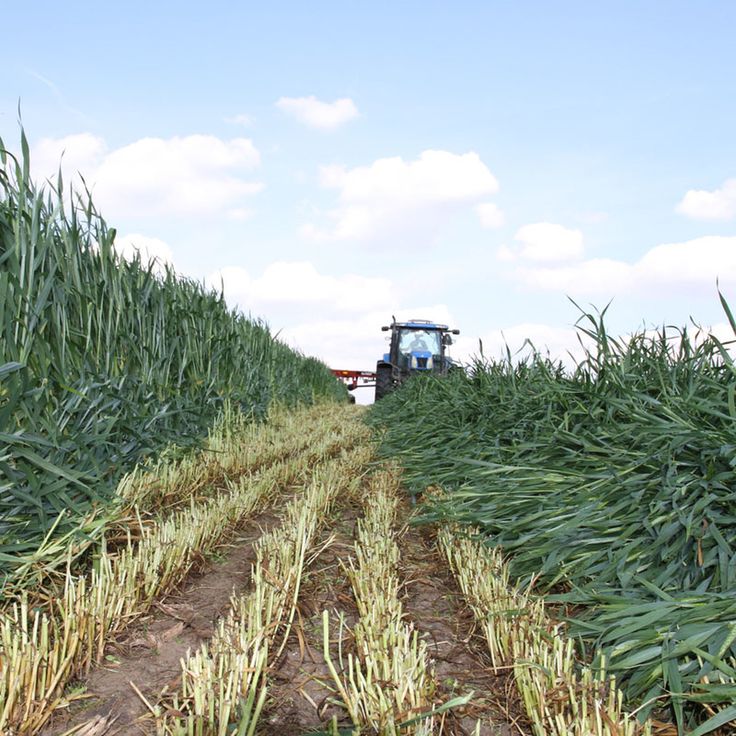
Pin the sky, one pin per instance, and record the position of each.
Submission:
(331, 164)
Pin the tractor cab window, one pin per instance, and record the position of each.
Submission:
(412, 341)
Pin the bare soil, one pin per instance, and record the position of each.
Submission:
(434, 603)
(148, 660)
(301, 686)
(149, 657)
(301, 691)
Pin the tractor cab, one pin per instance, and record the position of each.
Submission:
(417, 346)
(417, 349)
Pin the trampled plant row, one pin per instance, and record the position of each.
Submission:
(46, 644)
(562, 696)
(387, 686)
(225, 682)
(236, 446)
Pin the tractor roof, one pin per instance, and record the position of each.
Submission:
(421, 324)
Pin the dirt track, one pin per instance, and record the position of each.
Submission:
(122, 693)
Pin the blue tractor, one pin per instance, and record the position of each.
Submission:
(417, 346)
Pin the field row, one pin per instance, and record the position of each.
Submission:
(224, 683)
(51, 636)
(372, 670)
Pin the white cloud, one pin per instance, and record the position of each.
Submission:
(318, 114)
(557, 342)
(74, 154)
(187, 175)
(299, 285)
(149, 249)
(191, 175)
(505, 254)
(693, 264)
(719, 204)
(439, 313)
(436, 176)
(239, 213)
(595, 276)
(348, 344)
(491, 216)
(241, 119)
(546, 241)
(401, 197)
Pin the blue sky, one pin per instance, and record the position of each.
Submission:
(335, 163)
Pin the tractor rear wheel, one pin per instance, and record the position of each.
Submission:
(384, 382)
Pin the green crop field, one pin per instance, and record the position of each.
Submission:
(103, 362)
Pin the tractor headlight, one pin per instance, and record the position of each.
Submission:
(429, 363)
(414, 363)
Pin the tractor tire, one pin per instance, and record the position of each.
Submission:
(384, 382)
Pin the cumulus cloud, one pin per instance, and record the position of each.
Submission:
(240, 119)
(396, 196)
(698, 261)
(594, 276)
(190, 175)
(560, 343)
(720, 204)
(74, 154)
(490, 215)
(436, 176)
(299, 284)
(149, 249)
(348, 344)
(317, 114)
(693, 264)
(547, 241)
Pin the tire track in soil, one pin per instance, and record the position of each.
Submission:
(298, 699)
(151, 651)
(431, 600)
(434, 603)
(150, 655)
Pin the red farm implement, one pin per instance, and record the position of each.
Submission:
(355, 379)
